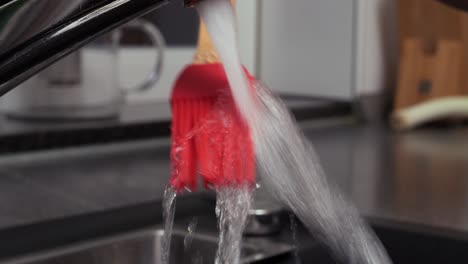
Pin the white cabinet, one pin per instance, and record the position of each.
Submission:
(324, 48)
(327, 48)
(306, 46)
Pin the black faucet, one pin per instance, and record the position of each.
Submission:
(36, 33)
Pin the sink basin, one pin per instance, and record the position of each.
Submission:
(410, 246)
(145, 247)
(406, 246)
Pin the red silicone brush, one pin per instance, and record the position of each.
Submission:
(209, 137)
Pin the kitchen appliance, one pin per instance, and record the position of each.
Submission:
(344, 51)
(36, 33)
(85, 84)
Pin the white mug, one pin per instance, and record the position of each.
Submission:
(85, 84)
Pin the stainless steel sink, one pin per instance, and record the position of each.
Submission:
(145, 247)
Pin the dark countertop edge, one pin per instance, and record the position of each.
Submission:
(417, 228)
(96, 133)
(38, 237)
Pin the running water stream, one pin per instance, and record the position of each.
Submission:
(232, 207)
(295, 241)
(169, 200)
(287, 161)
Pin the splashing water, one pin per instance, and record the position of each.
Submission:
(232, 207)
(293, 173)
(295, 241)
(188, 239)
(168, 218)
(189, 255)
(289, 166)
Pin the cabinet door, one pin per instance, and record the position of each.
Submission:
(306, 47)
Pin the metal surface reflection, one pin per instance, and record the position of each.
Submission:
(145, 247)
(35, 33)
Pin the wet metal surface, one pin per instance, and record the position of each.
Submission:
(145, 247)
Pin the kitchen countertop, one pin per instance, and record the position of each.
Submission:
(415, 180)
(154, 112)
(144, 121)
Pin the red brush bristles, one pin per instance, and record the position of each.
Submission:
(209, 137)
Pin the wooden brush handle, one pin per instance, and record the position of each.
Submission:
(206, 52)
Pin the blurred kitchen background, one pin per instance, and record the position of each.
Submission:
(377, 85)
(325, 58)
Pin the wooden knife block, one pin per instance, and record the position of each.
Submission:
(434, 53)
(427, 76)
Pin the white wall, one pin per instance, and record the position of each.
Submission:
(307, 46)
(247, 28)
(329, 48)
(377, 46)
